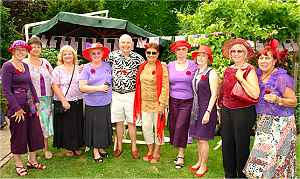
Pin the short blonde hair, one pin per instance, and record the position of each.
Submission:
(64, 48)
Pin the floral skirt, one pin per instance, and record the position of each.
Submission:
(273, 152)
(46, 115)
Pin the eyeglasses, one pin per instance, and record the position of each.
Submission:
(181, 49)
(236, 51)
(151, 53)
(95, 53)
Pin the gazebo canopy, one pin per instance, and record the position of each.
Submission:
(81, 25)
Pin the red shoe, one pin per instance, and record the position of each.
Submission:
(148, 158)
(202, 174)
(135, 154)
(117, 153)
(193, 170)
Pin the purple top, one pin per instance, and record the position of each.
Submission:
(277, 84)
(181, 81)
(16, 87)
(94, 77)
(62, 78)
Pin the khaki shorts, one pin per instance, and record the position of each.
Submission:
(122, 107)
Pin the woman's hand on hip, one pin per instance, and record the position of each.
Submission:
(19, 115)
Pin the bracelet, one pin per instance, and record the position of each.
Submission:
(208, 111)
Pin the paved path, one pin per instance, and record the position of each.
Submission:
(5, 154)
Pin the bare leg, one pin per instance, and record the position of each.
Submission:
(120, 133)
(197, 165)
(132, 134)
(47, 153)
(18, 160)
(156, 154)
(32, 157)
(204, 156)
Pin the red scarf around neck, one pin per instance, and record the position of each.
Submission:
(137, 110)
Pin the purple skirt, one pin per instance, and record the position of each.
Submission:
(179, 121)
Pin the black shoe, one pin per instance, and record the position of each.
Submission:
(98, 160)
(104, 154)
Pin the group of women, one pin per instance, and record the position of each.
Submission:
(189, 88)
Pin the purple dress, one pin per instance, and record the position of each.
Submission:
(202, 92)
(20, 94)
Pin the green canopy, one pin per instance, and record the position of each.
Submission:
(80, 25)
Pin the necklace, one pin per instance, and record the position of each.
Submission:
(18, 66)
(244, 65)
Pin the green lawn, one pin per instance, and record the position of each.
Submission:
(84, 166)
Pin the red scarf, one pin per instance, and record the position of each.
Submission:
(137, 110)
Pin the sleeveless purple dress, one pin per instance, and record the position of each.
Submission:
(201, 91)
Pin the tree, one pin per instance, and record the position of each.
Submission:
(8, 32)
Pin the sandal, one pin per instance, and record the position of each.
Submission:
(194, 169)
(179, 165)
(36, 165)
(104, 154)
(69, 153)
(148, 157)
(155, 160)
(98, 160)
(21, 171)
(77, 152)
(203, 173)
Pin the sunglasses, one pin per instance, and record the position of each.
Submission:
(151, 53)
(95, 53)
(236, 51)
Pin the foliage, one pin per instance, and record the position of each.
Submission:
(8, 32)
(38, 10)
(51, 55)
(156, 16)
(250, 19)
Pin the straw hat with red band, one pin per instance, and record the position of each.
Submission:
(179, 43)
(86, 51)
(19, 44)
(203, 49)
(229, 43)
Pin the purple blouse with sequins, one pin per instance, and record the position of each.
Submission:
(277, 84)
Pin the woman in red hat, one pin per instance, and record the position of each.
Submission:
(151, 99)
(95, 82)
(68, 103)
(274, 150)
(181, 73)
(25, 128)
(204, 111)
(239, 94)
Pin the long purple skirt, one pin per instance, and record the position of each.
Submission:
(179, 121)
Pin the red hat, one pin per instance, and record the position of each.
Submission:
(19, 43)
(179, 43)
(86, 51)
(229, 43)
(203, 49)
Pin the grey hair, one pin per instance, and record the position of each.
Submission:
(125, 36)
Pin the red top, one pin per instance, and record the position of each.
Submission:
(229, 81)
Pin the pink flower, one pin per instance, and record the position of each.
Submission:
(153, 72)
(188, 73)
(93, 71)
(203, 77)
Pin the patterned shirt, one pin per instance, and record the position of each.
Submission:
(124, 70)
(41, 77)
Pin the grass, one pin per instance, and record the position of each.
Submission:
(125, 167)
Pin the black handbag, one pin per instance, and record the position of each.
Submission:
(58, 108)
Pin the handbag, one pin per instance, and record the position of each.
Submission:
(58, 108)
(239, 92)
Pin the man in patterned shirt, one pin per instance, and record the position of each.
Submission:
(125, 64)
